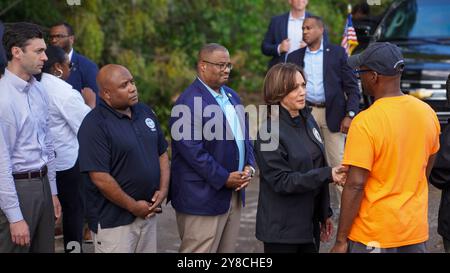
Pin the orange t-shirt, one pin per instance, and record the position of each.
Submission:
(393, 139)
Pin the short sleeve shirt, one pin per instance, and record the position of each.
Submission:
(126, 148)
(393, 139)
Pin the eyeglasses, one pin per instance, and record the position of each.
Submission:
(222, 66)
(58, 36)
(358, 72)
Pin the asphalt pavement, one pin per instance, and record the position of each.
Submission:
(169, 241)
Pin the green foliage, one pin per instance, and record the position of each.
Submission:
(158, 40)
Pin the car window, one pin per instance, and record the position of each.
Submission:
(418, 19)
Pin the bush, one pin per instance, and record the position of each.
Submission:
(158, 40)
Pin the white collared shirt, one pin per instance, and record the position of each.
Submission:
(295, 32)
(315, 91)
(70, 54)
(67, 110)
(233, 120)
(27, 144)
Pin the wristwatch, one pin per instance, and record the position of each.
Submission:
(252, 171)
(351, 114)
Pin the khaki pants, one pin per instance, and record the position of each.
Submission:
(334, 145)
(137, 237)
(210, 234)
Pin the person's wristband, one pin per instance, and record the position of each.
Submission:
(252, 171)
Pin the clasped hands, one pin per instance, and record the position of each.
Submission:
(339, 175)
(145, 210)
(239, 180)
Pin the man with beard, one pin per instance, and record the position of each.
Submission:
(84, 71)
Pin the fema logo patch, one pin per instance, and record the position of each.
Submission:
(317, 135)
(150, 123)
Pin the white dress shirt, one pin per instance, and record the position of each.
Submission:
(27, 144)
(295, 32)
(315, 91)
(70, 54)
(67, 111)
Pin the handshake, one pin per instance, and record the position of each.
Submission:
(339, 175)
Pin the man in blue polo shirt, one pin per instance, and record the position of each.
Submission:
(123, 149)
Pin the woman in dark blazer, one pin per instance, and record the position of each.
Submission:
(294, 202)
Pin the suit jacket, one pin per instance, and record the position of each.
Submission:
(340, 84)
(440, 178)
(276, 33)
(200, 168)
(83, 74)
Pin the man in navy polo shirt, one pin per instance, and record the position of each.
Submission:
(123, 149)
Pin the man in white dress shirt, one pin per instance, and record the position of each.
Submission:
(285, 33)
(28, 194)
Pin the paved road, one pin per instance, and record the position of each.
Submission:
(168, 240)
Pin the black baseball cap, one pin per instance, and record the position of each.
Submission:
(382, 57)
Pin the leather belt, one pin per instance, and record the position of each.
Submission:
(29, 175)
(318, 105)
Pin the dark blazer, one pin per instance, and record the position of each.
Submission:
(440, 178)
(276, 33)
(200, 168)
(293, 195)
(339, 81)
(83, 74)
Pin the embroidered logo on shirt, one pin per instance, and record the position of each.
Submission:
(317, 135)
(150, 123)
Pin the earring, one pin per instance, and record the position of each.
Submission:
(60, 73)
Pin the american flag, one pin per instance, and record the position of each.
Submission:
(349, 39)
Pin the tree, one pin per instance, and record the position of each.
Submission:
(158, 40)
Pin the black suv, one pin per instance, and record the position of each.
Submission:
(421, 28)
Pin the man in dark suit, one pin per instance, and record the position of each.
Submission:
(212, 158)
(84, 71)
(332, 89)
(284, 34)
(440, 178)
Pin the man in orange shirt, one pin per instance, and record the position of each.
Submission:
(390, 151)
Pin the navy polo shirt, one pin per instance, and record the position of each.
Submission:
(127, 149)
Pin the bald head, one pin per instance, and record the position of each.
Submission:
(117, 86)
(107, 74)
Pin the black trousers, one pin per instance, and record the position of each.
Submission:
(446, 244)
(289, 248)
(71, 197)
